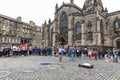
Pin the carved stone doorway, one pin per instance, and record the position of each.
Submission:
(62, 40)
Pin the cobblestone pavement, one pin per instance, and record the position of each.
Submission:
(33, 68)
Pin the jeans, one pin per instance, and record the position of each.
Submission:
(72, 57)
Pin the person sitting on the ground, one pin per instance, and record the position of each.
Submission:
(86, 65)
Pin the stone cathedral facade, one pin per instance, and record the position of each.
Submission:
(90, 26)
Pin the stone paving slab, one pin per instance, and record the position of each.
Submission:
(30, 68)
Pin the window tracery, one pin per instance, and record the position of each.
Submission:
(78, 31)
(89, 31)
(116, 25)
(64, 27)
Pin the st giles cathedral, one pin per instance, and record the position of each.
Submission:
(90, 26)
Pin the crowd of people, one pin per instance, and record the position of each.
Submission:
(72, 51)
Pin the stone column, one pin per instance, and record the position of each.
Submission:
(70, 30)
(109, 36)
(54, 38)
(83, 35)
(46, 42)
(55, 32)
(70, 37)
(98, 35)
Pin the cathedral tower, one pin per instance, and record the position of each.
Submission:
(72, 1)
(93, 5)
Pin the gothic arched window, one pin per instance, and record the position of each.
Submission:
(78, 31)
(117, 23)
(89, 25)
(64, 27)
(101, 26)
(89, 31)
(64, 23)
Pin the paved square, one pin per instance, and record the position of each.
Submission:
(48, 68)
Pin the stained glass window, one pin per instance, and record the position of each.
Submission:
(64, 23)
(78, 31)
(117, 23)
(64, 27)
(90, 31)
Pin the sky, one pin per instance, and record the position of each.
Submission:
(41, 10)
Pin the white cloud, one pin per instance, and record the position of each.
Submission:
(41, 10)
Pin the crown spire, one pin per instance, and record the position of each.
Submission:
(72, 1)
(56, 7)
